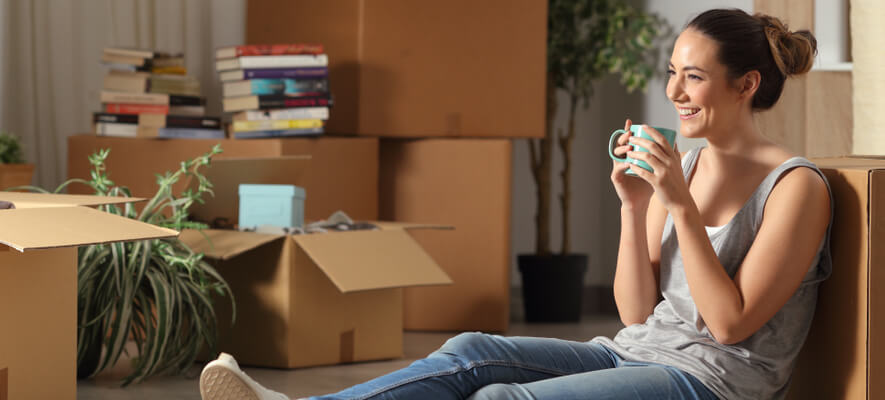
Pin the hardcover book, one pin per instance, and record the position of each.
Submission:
(273, 73)
(283, 113)
(291, 87)
(278, 133)
(282, 61)
(244, 103)
(271, 125)
(268, 50)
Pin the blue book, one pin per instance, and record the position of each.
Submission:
(278, 133)
(288, 87)
(190, 133)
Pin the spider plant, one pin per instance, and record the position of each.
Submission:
(157, 293)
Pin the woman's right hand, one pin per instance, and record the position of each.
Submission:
(633, 191)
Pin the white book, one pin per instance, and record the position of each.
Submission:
(281, 61)
(283, 114)
(116, 129)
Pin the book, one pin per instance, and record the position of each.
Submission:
(268, 50)
(292, 87)
(244, 103)
(273, 73)
(173, 70)
(125, 60)
(125, 108)
(280, 124)
(127, 52)
(151, 98)
(126, 82)
(278, 133)
(159, 120)
(193, 111)
(174, 84)
(116, 129)
(282, 61)
(190, 133)
(283, 113)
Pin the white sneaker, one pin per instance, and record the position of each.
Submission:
(223, 379)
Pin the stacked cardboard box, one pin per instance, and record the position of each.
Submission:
(463, 78)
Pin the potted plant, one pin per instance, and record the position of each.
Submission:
(587, 39)
(157, 293)
(13, 169)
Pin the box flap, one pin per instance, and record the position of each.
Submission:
(364, 260)
(224, 244)
(42, 200)
(228, 173)
(387, 225)
(854, 162)
(40, 228)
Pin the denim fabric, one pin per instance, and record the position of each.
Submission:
(480, 366)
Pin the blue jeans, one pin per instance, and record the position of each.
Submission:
(479, 366)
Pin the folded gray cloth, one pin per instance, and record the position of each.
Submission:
(5, 205)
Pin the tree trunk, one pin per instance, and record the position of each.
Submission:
(541, 158)
(565, 144)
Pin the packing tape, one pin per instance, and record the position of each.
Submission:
(346, 347)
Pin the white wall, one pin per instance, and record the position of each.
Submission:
(595, 207)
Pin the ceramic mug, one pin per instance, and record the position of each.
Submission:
(637, 130)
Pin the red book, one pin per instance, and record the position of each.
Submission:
(122, 108)
(268, 50)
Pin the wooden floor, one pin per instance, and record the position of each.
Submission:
(314, 381)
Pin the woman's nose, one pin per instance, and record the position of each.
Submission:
(674, 89)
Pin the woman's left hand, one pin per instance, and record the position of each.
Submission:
(667, 178)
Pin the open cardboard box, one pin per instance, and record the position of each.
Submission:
(38, 285)
(844, 355)
(315, 299)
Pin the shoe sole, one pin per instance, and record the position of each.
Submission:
(220, 383)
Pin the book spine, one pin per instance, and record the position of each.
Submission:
(277, 124)
(115, 118)
(192, 133)
(180, 100)
(285, 102)
(292, 87)
(278, 133)
(115, 129)
(123, 108)
(176, 121)
(307, 72)
(320, 60)
(288, 113)
(137, 98)
(279, 49)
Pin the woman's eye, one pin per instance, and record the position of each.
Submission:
(694, 77)
(671, 72)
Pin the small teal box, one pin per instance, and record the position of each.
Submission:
(277, 205)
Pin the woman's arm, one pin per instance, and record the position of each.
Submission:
(795, 220)
(636, 285)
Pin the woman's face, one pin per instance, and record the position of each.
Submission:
(699, 86)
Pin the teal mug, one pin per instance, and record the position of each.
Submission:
(637, 130)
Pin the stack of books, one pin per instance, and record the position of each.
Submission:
(275, 90)
(149, 94)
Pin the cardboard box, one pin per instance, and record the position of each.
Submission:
(343, 173)
(38, 285)
(844, 355)
(316, 299)
(465, 183)
(403, 68)
(4, 392)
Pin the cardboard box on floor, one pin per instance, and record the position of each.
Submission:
(404, 68)
(466, 183)
(38, 286)
(343, 173)
(844, 355)
(315, 299)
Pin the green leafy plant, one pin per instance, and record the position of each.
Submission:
(586, 40)
(10, 149)
(157, 293)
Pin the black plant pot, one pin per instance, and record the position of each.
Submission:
(552, 286)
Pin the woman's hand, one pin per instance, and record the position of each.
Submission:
(633, 192)
(667, 179)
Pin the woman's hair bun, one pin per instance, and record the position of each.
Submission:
(793, 52)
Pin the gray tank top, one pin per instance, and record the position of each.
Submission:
(675, 334)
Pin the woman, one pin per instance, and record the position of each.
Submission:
(733, 237)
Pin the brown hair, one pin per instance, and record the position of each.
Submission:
(758, 42)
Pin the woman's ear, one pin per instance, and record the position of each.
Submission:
(749, 83)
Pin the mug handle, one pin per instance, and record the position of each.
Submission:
(612, 142)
